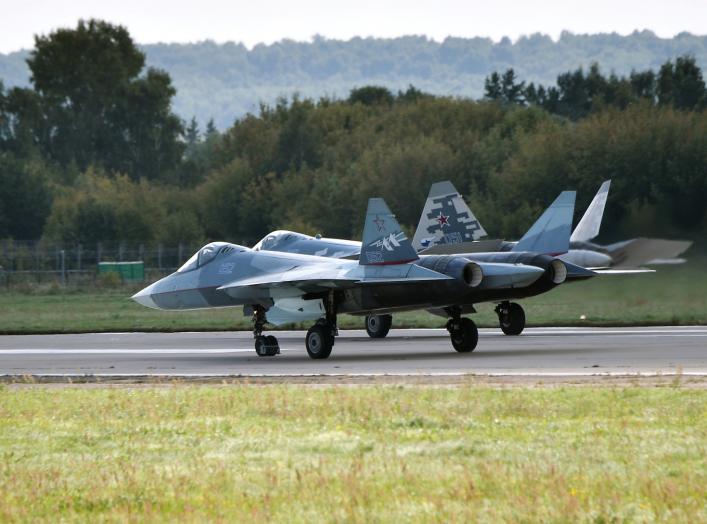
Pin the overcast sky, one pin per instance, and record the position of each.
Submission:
(266, 21)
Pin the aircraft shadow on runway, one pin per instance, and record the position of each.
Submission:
(295, 357)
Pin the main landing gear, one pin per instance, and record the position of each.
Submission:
(377, 326)
(265, 346)
(511, 318)
(320, 337)
(462, 331)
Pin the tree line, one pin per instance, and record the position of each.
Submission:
(225, 81)
(577, 94)
(92, 152)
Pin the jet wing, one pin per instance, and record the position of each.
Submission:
(324, 277)
(641, 251)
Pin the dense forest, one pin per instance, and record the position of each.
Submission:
(225, 81)
(92, 151)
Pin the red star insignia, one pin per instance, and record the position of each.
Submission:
(443, 220)
(380, 223)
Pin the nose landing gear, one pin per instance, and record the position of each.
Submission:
(265, 346)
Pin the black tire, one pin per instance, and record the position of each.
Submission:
(273, 345)
(266, 346)
(465, 337)
(377, 326)
(319, 342)
(512, 322)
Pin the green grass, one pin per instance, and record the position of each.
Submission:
(673, 295)
(353, 454)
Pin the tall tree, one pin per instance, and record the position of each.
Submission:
(97, 106)
(681, 84)
(492, 87)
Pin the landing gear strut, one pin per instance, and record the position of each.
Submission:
(265, 346)
(377, 326)
(462, 331)
(320, 337)
(511, 318)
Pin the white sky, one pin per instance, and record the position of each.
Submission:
(254, 21)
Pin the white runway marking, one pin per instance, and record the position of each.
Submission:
(698, 373)
(134, 351)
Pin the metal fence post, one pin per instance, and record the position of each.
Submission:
(63, 268)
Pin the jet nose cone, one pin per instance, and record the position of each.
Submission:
(144, 297)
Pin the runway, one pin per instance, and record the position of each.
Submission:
(416, 352)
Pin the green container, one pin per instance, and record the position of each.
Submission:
(128, 271)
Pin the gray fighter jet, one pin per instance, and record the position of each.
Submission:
(448, 227)
(278, 287)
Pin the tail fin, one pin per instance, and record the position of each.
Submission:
(446, 219)
(550, 234)
(383, 239)
(589, 225)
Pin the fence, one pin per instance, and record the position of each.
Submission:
(42, 263)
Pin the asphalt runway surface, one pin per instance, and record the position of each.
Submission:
(416, 352)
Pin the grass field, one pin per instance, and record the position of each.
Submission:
(353, 454)
(673, 295)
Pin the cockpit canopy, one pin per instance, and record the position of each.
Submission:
(207, 253)
(277, 239)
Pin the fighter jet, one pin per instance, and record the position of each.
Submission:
(447, 226)
(277, 287)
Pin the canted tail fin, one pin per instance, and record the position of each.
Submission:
(384, 241)
(550, 234)
(446, 219)
(589, 225)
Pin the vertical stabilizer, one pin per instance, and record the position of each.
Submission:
(550, 235)
(446, 219)
(589, 226)
(383, 239)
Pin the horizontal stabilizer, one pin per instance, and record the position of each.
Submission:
(384, 241)
(611, 271)
(550, 235)
(575, 272)
(589, 225)
(446, 219)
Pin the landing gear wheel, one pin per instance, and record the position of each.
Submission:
(377, 326)
(511, 318)
(464, 334)
(266, 346)
(320, 341)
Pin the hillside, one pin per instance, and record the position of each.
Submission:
(225, 81)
